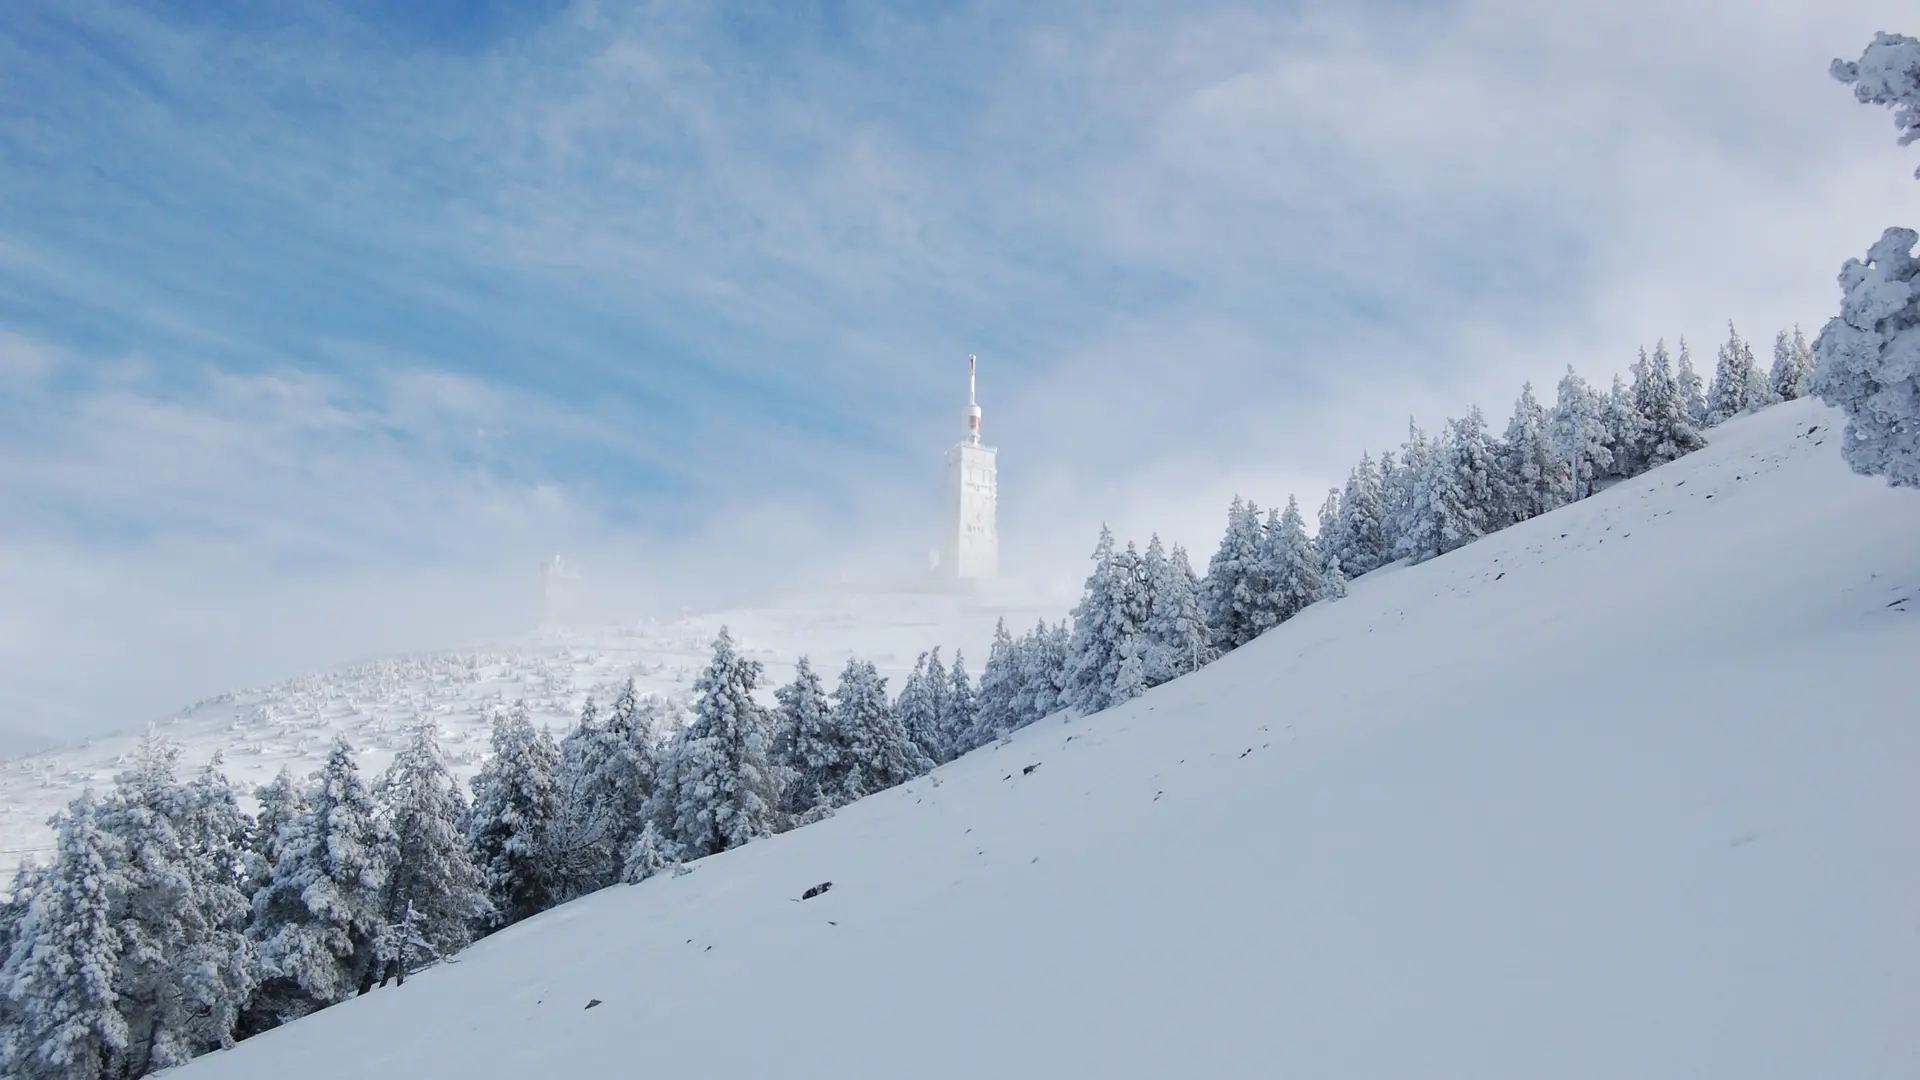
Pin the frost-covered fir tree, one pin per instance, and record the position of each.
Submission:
(1406, 486)
(1177, 639)
(1360, 539)
(435, 894)
(1867, 360)
(1293, 566)
(1042, 654)
(1666, 432)
(1624, 428)
(320, 922)
(1792, 365)
(959, 714)
(186, 967)
(1228, 592)
(918, 706)
(648, 856)
(720, 788)
(1454, 503)
(516, 800)
(878, 751)
(281, 800)
(1579, 433)
(1111, 614)
(1693, 390)
(999, 682)
(608, 768)
(1888, 73)
(1535, 475)
(805, 743)
(1734, 379)
(65, 1022)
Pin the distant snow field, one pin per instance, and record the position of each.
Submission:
(1627, 790)
(375, 704)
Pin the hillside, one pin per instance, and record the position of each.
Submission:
(1628, 790)
(376, 703)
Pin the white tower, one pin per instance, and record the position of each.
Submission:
(971, 546)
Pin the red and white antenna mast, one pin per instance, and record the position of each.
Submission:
(973, 405)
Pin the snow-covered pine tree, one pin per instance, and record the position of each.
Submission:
(805, 743)
(186, 967)
(878, 750)
(516, 799)
(999, 682)
(1112, 612)
(319, 923)
(607, 772)
(1042, 654)
(1792, 364)
(1536, 475)
(1362, 544)
(648, 856)
(63, 1010)
(1579, 433)
(1406, 485)
(1667, 433)
(1294, 564)
(435, 894)
(918, 710)
(1733, 381)
(1624, 426)
(282, 801)
(1226, 593)
(959, 713)
(1176, 632)
(1692, 389)
(721, 789)
(1459, 487)
(1868, 359)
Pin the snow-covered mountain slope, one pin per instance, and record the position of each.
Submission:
(375, 704)
(1627, 791)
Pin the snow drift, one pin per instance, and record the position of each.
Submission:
(1626, 790)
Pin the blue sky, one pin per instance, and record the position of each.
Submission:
(321, 323)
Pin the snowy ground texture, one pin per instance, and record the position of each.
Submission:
(376, 704)
(1630, 790)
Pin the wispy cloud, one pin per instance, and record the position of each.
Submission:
(335, 316)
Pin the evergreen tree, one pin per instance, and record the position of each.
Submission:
(186, 968)
(805, 743)
(1792, 365)
(608, 768)
(959, 710)
(1734, 379)
(878, 750)
(1866, 358)
(59, 978)
(1452, 508)
(1625, 429)
(649, 855)
(1667, 433)
(435, 894)
(1043, 666)
(994, 714)
(1360, 538)
(1408, 492)
(1112, 612)
(1294, 567)
(1535, 475)
(319, 923)
(516, 799)
(1177, 640)
(721, 789)
(1579, 433)
(1228, 591)
(283, 800)
(918, 707)
(1692, 390)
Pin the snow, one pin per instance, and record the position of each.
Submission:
(377, 704)
(1624, 790)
